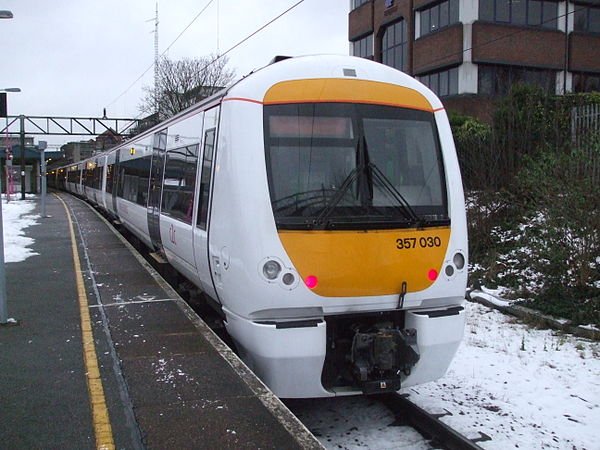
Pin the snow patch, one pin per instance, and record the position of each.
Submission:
(16, 218)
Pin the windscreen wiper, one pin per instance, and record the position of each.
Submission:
(328, 210)
(405, 207)
(302, 199)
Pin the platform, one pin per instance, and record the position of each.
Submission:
(153, 375)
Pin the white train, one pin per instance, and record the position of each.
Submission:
(318, 203)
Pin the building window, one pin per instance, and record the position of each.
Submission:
(438, 16)
(358, 3)
(442, 83)
(394, 48)
(497, 80)
(587, 19)
(585, 82)
(536, 13)
(363, 47)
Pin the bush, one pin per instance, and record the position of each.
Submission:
(565, 244)
(533, 205)
(473, 144)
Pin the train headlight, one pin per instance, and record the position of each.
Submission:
(288, 279)
(271, 269)
(459, 261)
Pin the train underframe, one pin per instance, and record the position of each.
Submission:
(349, 354)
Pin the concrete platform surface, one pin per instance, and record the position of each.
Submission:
(166, 380)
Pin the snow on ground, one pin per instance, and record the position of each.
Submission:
(525, 388)
(17, 216)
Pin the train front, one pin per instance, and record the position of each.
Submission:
(363, 259)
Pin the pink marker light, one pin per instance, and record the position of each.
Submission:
(432, 274)
(311, 281)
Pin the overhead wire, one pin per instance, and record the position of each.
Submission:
(162, 54)
(254, 33)
(258, 30)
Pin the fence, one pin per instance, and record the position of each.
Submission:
(585, 136)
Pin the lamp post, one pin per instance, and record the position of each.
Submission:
(4, 109)
(42, 145)
(6, 14)
(22, 140)
(3, 309)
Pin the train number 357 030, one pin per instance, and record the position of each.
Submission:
(424, 242)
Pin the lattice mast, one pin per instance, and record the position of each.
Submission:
(156, 102)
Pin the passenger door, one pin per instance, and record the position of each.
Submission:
(179, 192)
(115, 181)
(203, 194)
(155, 187)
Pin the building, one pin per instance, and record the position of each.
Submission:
(9, 141)
(470, 51)
(10, 164)
(76, 151)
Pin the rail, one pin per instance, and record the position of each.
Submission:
(429, 425)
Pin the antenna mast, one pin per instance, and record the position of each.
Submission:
(156, 62)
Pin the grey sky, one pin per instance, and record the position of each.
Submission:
(76, 57)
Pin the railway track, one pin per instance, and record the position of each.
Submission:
(429, 425)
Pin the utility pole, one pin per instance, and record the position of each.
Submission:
(3, 307)
(22, 122)
(42, 145)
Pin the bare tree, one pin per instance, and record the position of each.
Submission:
(183, 83)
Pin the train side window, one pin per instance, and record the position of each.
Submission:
(134, 180)
(98, 176)
(207, 162)
(179, 183)
(109, 178)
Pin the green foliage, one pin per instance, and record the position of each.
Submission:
(473, 143)
(525, 123)
(565, 244)
(534, 209)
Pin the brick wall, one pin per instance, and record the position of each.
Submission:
(437, 50)
(360, 21)
(584, 53)
(526, 47)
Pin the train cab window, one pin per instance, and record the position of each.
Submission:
(179, 183)
(207, 163)
(353, 166)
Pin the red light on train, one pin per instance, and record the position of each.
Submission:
(311, 281)
(432, 274)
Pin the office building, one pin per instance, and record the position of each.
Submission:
(471, 51)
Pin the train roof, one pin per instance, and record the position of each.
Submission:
(255, 85)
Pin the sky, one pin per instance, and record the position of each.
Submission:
(76, 57)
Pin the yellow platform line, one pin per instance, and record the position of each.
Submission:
(101, 420)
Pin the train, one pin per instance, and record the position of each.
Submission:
(317, 204)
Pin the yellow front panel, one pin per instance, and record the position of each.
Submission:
(345, 90)
(366, 263)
